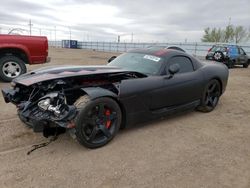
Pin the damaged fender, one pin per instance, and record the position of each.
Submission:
(97, 92)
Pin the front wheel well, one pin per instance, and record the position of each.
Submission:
(123, 110)
(220, 82)
(14, 52)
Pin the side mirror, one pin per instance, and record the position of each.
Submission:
(173, 69)
(111, 59)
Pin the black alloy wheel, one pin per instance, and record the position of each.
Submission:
(211, 96)
(98, 122)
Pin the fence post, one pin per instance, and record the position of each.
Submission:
(195, 49)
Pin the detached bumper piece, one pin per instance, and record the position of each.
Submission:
(8, 94)
(11, 95)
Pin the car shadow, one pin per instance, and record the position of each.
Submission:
(165, 119)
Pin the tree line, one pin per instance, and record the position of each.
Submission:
(231, 33)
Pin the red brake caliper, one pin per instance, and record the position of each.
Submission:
(108, 122)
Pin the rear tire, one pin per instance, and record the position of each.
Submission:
(97, 121)
(11, 67)
(210, 96)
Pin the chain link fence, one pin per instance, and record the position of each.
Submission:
(195, 48)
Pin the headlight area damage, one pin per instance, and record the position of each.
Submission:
(43, 112)
(48, 105)
(41, 109)
(47, 112)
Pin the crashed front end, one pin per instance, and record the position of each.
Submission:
(41, 106)
(45, 98)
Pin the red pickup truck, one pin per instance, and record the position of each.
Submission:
(18, 50)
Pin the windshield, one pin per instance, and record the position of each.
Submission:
(139, 62)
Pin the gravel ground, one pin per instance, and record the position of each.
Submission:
(189, 150)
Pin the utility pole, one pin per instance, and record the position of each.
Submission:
(87, 37)
(50, 34)
(69, 33)
(132, 37)
(55, 36)
(30, 25)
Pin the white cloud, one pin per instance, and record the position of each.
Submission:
(149, 20)
(87, 14)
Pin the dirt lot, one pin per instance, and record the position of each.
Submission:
(189, 150)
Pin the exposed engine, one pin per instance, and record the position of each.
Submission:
(50, 111)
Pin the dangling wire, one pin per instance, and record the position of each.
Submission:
(37, 146)
(32, 95)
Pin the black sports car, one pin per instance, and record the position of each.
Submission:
(94, 102)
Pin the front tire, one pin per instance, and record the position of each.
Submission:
(230, 64)
(210, 96)
(246, 64)
(97, 122)
(11, 67)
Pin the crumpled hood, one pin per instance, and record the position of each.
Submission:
(54, 72)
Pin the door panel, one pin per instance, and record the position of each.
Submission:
(180, 89)
(140, 92)
(242, 59)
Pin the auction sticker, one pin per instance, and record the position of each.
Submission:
(152, 58)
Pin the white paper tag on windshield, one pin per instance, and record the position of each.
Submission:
(153, 58)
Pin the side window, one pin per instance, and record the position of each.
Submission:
(185, 63)
(241, 51)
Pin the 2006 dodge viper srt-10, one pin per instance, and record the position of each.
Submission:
(94, 102)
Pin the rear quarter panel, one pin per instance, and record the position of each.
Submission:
(38, 48)
(215, 70)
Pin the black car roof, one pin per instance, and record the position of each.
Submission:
(167, 53)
